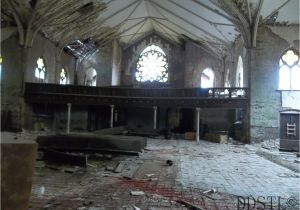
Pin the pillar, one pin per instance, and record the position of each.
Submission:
(69, 117)
(112, 115)
(198, 124)
(154, 117)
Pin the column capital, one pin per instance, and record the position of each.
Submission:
(69, 104)
(112, 106)
(154, 107)
(198, 109)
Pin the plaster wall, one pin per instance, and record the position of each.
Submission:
(196, 60)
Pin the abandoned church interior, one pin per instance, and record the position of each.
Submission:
(150, 104)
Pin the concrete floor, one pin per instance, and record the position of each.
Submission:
(233, 170)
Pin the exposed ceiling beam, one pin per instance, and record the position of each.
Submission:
(128, 17)
(137, 39)
(276, 10)
(213, 24)
(119, 11)
(232, 19)
(164, 29)
(185, 20)
(199, 16)
(133, 26)
(138, 30)
(255, 27)
(191, 33)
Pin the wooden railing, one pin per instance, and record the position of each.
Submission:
(45, 93)
(38, 88)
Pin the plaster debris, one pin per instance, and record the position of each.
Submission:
(137, 193)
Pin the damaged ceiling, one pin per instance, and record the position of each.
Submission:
(213, 24)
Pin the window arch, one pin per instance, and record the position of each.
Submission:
(227, 79)
(152, 65)
(90, 77)
(289, 70)
(240, 73)
(40, 70)
(207, 78)
(63, 77)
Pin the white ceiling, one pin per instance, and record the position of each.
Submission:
(200, 20)
(203, 21)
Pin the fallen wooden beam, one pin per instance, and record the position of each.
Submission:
(110, 131)
(189, 205)
(62, 158)
(93, 143)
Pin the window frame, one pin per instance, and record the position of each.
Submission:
(166, 74)
(214, 77)
(283, 63)
(44, 67)
(66, 76)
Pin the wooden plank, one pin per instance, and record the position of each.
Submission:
(61, 158)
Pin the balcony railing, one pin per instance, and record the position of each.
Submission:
(222, 93)
(39, 93)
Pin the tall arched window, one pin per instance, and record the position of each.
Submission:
(240, 73)
(227, 79)
(63, 77)
(207, 78)
(90, 77)
(289, 70)
(152, 65)
(40, 70)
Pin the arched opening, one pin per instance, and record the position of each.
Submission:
(227, 79)
(40, 70)
(152, 65)
(90, 77)
(289, 70)
(63, 77)
(207, 78)
(240, 73)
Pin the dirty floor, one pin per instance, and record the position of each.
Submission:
(234, 172)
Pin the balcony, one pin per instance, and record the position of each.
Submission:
(40, 93)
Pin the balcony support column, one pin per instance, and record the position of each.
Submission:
(154, 117)
(112, 115)
(69, 118)
(198, 124)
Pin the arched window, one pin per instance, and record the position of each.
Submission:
(240, 73)
(152, 65)
(207, 78)
(227, 80)
(63, 77)
(40, 70)
(289, 70)
(90, 77)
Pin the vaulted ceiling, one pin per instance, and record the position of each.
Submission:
(214, 24)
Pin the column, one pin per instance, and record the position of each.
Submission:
(112, 115)
(198, 124)
(154, 117)
(69, 117)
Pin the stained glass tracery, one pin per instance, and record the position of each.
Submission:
(40, 70)
(152, 65)
(289, 71)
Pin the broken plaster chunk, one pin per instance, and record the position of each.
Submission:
(137, 193)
